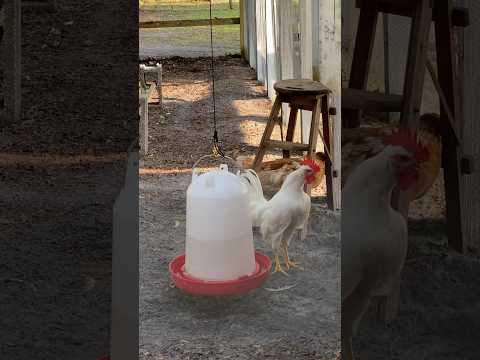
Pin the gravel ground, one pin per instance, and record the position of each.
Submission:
(303, 320)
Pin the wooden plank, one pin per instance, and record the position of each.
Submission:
(447, 79)
(261, 41)
(187, 23)
(470, 126)
(306, 47)
(364, 42)
(13, 64)
(290, 146)
(371, 101)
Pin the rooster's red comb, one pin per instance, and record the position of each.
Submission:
(313, 165)
(408, 140)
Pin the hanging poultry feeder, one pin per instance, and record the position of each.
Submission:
(219, 258)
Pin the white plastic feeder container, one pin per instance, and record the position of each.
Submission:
(219, 241)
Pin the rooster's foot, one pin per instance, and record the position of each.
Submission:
(289, 263)
(278, 266)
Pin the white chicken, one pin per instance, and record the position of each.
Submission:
(374, 235)
(285, 213)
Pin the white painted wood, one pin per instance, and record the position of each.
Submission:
(306, 45)
(286, 29)
(252, 33)
(327, 70)
(272, 62)
(13, 66)
(470, 184)
(261, 41)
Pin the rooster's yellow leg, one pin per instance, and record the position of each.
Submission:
(278, 266)
(289, 263)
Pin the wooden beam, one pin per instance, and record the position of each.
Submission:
(371, 101)
(447, 78)
(187, 23)
(13, 63)
(290, 146)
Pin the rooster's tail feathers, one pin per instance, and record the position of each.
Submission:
(253, 182)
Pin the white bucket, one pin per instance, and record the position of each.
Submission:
(219, 242)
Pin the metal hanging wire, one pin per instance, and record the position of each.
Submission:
(216, 149)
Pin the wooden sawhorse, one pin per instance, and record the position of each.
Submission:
(300, 95)
(356, 98)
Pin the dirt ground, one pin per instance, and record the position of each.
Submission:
(440, 309)
(56, 219)
(297, 323)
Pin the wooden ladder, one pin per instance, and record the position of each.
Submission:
(307, 95)
(356, 98)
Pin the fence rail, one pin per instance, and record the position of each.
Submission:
(188, 23)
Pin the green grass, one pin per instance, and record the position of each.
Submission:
(161, 10)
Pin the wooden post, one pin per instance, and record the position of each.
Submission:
(13, 64)
(470, 126)
(243, 33)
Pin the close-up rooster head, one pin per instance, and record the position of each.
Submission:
(311, 169)
(406, 153)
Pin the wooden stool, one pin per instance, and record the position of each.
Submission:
(307, 95)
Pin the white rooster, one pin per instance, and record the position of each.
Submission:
(374, 235)
(285, 213)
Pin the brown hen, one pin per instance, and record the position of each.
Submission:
(362, 143)
(273, 173)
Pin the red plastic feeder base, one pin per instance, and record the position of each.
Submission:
(239, 286)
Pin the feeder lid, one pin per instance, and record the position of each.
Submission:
(217, 183)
